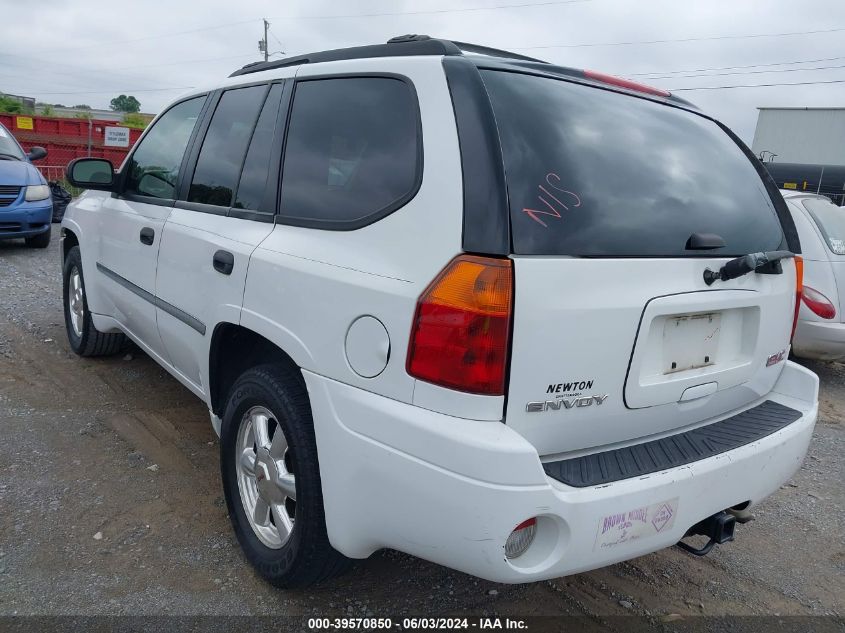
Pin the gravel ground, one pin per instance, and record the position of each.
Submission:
(110, 503)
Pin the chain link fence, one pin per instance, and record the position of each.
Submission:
(66, 139)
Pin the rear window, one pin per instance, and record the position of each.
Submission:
(831, 222)
(595, 173)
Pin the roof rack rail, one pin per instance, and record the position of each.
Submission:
(400, 46)
(495, 52)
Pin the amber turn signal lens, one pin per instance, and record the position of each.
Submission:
(461, 332)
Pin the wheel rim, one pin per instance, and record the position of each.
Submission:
(265, 481)
(76, 301)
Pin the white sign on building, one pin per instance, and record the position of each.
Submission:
(116, 137)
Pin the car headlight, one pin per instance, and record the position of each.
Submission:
(37, 192)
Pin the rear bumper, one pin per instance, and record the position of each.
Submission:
(26, 219)
(822, 340)
(450, 490)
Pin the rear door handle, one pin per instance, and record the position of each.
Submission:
(223, 262)
(147, 236)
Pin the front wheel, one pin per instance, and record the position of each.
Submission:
(271, 478)
(84, 338)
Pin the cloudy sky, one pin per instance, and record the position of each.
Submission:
(87, 51)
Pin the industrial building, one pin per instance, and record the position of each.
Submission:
(800, 135)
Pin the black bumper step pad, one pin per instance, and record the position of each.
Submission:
(674, 450)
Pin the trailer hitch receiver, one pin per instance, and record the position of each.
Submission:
(719, 528)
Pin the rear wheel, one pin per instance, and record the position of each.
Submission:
(40, 241)
(271, 478)
(84, 338)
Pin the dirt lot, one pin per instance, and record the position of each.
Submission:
(110, 503)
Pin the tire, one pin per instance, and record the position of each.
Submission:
(40, 241)
(84, 338)
(303, 556)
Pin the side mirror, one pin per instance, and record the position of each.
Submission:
(91, 173)
(36, 153)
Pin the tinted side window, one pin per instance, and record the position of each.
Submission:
(254, 175)
(352, 151)
(154, 166)
(596, 173)
(222, 152)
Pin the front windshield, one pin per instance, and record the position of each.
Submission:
(9, 146)
(830, 220)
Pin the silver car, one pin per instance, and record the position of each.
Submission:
(820, 332)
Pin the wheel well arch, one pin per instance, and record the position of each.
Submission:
(234, 349)
(69, 240)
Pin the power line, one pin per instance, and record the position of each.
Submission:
(47, 66)
(141, 39)
(179, 63)
(749, 72)
(797, 83)
(112, 90)
(136, 66)
(276, 38)
(696, 70)
(431, 11)
(686, 39)
(543, 3)
(99, 70)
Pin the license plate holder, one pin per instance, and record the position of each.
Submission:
(690, 341)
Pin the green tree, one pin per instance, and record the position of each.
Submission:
(125, 104)
(47, 110)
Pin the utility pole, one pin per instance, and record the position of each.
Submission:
(262, 44)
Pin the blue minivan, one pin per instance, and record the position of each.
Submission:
(26, 207)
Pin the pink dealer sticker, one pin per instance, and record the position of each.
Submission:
(635, 523)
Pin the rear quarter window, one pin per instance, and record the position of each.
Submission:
(595, 173)
(352, 152)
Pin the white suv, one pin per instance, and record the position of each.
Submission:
(516, 319)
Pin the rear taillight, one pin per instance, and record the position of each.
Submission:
(461, 330)
(625, 83)
(818, 303)
(799, 287)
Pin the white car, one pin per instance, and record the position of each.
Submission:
(474, 307)
(820, 333)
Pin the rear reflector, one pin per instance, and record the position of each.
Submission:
(625, 83)
(799, 287)
(461, 329)
(521, 538)
(818, 303)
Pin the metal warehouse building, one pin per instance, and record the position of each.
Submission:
(801, 135)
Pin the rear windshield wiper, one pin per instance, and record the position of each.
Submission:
(754, 262)
(5, 156)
